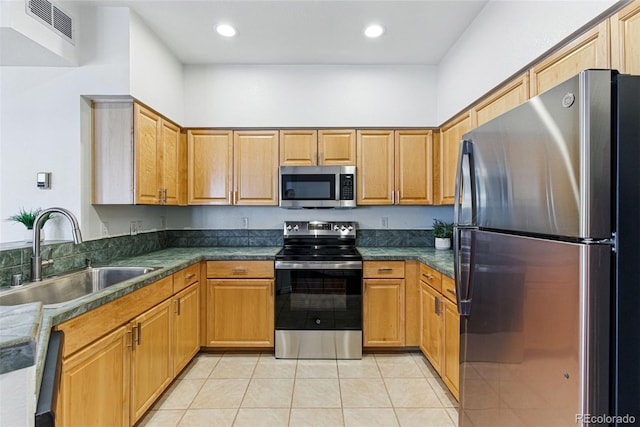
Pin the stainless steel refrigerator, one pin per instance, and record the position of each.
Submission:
(546, 247)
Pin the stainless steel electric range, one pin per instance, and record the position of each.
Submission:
(318, 301)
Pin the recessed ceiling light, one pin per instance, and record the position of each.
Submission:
(226, 30)
(374, 31)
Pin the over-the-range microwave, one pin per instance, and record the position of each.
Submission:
(317, 187)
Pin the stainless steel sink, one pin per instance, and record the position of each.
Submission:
(58, 291)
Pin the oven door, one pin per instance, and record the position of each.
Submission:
(318, 295)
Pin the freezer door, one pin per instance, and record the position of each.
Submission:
(534, 346)
(545, 166)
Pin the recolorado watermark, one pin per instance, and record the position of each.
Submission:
(605, 419)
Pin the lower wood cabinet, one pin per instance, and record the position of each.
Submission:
(119, 357)
(240, 304)
(440, 326)
(431, 325)
(451, 360)
(94, 385)
(151, 364)
(186, 326)
(383, 304)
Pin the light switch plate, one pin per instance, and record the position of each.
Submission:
(44, 180)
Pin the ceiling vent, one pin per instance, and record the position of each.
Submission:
(52, 16)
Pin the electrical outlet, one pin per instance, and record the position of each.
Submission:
(104, 229)
(385, 222)
(245, 222)
(139, 226)
(133, 228)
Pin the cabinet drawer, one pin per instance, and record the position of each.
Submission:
(449, 288)
(185, 277)
(86, 328)
(383, 269)
(240, 269)
(431, 277)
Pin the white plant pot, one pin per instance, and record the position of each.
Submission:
(443, 243)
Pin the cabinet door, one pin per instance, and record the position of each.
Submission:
(94, 385)
(210, 167)
(147, 155)
(375, 169)
(413, 167)
(383, 313)
(502, 100)
(446, 158)
(337, 147)
(240, 313)
(186, 330)
(256, 168)
(625, 36)
(591, 50)
(431, 325)
(451, 362)
(171, 163)
(298, 147)
(151, 367)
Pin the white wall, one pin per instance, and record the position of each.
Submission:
(231, 217)
(41, 127)
(505, 37)
(309, 96)
(26, 40)
(156, 74)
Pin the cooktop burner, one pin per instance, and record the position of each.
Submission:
(319, 241)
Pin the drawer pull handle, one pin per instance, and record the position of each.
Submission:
(428, 276)
(451, 291)
(238, 270)
(189, 276)
(385, 269)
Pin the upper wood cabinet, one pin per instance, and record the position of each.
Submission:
(501, 100)
(308, 147)
(298, 147)
(625, 39)
(255, 164)
(337, 147)
(414, 167)
(590, 50)
(210, 166)
(446, 153)
(138, 156)
(394, 167)
(232, 167)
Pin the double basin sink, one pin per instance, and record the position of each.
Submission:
(58, 291)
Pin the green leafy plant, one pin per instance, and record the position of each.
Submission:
(442, 230)
(28, 217)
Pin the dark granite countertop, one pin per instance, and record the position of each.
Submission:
(172, 260)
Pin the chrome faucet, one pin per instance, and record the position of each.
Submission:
(36, 258)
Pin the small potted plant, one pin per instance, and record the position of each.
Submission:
(443, 232)
(27, 218)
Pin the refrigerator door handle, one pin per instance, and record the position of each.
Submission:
(462, 267)
(465, 187)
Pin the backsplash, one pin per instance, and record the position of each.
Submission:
(68, 256)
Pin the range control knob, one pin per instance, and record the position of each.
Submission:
(289, 227)
(336, 227)
(343, 228)
(296, 228)
(350, 227)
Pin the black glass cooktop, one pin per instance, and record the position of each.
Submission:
(318, 252)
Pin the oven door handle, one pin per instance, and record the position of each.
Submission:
(318, 265)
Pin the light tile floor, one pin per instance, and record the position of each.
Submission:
(256, 389)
